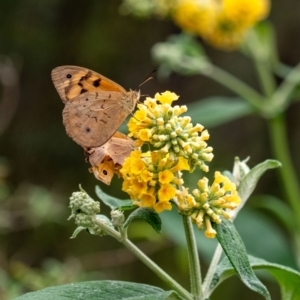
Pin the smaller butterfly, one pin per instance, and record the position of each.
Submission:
(109, 158)
(95, 106)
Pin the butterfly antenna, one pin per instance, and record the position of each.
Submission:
(149, 77)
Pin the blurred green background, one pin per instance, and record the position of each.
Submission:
(40, 166)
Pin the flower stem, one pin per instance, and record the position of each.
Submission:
(211, 271)
(282, 95)
(276, 124)
(234, 84)
(266, 80)
(194, 263)
(278, 100)
(146, 260)
(157, 270)
(261, 60)
(287, 173)
(279, 145)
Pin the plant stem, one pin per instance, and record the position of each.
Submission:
(266, 80)
(277, 129)
(234, 84)
(287, 174)
(211, 271)
(146, 260)
(193, 259)
(262, 64)
(278, 100)
(157, 270)
(282, 95)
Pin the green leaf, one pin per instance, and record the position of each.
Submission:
(279, 210)
(287, 278)
(249, 182)
(101, 290)
(77, 231)
(147, 214)
(112, 202)
(271, 239)
(235, 250)
(214, 111)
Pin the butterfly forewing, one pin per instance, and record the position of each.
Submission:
(95, 106)
(92, 118)
(71, 81)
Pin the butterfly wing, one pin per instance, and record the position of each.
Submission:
(119, 147)
(109, 158)
(91, 119)
(104, 171)
(71, 81)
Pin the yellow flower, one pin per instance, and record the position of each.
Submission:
(194, 16)
(146, 175)
(209, 203)
(162, 205)
(161, 126)
(222, 23)
(137, 166)
(140, 115)
(148, 200)
(209, 232)
(138, 187)
(166, 192)
(149, 178)
(246, 12)
(145, 135)
(226, 35)
(181, 165)
(166, 97)
(165, 176)
(133, 125)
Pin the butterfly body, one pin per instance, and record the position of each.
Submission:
(95, 106)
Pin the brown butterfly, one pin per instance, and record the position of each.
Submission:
(109, 158)
(95, 106)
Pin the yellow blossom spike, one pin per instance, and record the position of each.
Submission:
(149, 179)
(161, 126)
(209, 203)
(223, 24)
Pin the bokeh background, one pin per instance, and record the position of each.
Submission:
(40, 166)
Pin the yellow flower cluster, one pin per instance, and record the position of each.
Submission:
(153, 179)
(221, 23)
(207, 203)
(160, 125)
(149, 178)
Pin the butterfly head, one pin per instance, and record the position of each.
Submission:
(131, 98)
